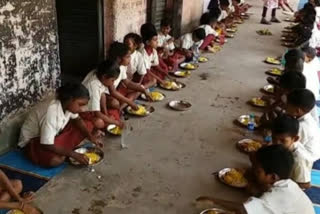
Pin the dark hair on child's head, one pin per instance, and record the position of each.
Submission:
(294, 66)
(317, 3)
(135, 37)
(285, 124)
(225, 3)
(148, 31)
(199, 33)
(302, 98)
(72, 91)
(109, 69)
(275, 159)
(165, 22)
(292, 80)
(294, 54)
(207, 19)
(215, 12)
(310, 52)
(117, 50)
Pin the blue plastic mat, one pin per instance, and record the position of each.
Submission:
(16, 160)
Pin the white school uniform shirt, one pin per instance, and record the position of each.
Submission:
(302, 167)
(309, 134)
(209, 30)
(163, 39)
(96, 89)
(122, 76)
(223, 15)
(186, 41)
(284, 197)
(46, 120)
(152, 60)
(137, 64)
(310, 71)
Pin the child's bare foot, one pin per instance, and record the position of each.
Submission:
(28, 197)
(99, 134)
(265, 22)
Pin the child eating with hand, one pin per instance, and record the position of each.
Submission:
(137, 68)
(208, 22)
(300, 102)
(285, 131)
(272, 169)
(53, 129)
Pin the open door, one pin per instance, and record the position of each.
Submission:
(80, 30)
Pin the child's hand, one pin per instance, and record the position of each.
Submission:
(28, 209)
(82, 159)
(120, 124)
(134, 106)
(27, 197)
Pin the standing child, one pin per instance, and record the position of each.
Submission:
(97, 82)
(300, 102)
(273, 5)
(208, 23)
(124, 91)
(190, 43)
(285, 131)
(166, 45)
(272, 169)
(285, 3)
(53, 130)
(137, 68)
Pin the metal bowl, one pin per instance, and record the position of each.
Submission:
(217, 211)
(180, 85)
(184, 66)
(221, 175)
(83, 150)
(110, 128)
(149, 109)
(143, 96)
(243, 120)
(179, 105)
(182, 73)
(269, 89)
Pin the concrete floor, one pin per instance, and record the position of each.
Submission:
(171, 155)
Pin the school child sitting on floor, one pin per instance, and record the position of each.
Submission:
(124, 91)
(190, 43)
(300, 102)
(285, 131)
(272, 169)
(54, 129)
(137, 69)
(97, 82)
(10, 198)
(288, 82)
(166, 45)
(156, 68)
(208, 23)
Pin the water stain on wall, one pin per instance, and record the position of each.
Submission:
(29, 61)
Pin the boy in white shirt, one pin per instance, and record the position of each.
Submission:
(272, 169)
(285, 130)
(46, 135)
(137, 68)
(97, 83)
(310, 70)
(190, 43)
(208, 22)
(156, 68)
(124, 91)
(166, 47)
(299, 104)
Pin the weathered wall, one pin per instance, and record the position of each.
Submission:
(191, 13)
(122, 17)
(29, 62)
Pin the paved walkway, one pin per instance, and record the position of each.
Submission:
(171, 155)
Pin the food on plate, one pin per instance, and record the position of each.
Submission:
(258, 102)
(272, 60)
(235, 178)
(141, 110)
(203, 59)
(116, 130)
(250, 145)
(276, 71)
(171, 85)
(155, 96)
(93, 157)
(189, 66)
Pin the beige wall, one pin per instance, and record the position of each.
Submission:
(191, 13)
(122, 17)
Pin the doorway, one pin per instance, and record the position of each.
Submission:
(80, 31)
(170, 9)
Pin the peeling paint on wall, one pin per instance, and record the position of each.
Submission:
(29, 61)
